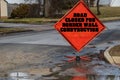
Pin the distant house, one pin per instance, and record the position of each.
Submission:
(115, 3)
(111, 3)
(3, 9)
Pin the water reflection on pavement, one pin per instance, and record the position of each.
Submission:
(81, 77)
(93, 70)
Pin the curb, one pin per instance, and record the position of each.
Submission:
(109, 58)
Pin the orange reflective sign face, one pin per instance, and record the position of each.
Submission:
(79, 26)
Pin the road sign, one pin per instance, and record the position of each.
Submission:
(79, 26)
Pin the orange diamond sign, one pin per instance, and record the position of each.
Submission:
(79, 26)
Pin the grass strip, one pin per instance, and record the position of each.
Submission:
(11, 30)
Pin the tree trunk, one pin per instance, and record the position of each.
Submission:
(98, 8)
(39, 7)
(47, 6)
(87, 2)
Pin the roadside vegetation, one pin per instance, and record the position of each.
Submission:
(30, 20)
(107, 13)
(4, 31)
(115, 51)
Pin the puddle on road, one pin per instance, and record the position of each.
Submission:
(94, 70)
(86, 76)
(83, 74)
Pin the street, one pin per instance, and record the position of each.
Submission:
(47, 48)
(52, 37)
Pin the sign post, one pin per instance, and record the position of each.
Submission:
(79, 26)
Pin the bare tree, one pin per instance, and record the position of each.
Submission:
(38, 6)
(87, 2)
(47, 8)
(51, 7)
(92, 3)
(98, 8)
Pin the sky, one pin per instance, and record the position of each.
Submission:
(104, 1)
(19, 1)
(15, 1)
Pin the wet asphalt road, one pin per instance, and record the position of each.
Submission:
(52, 37)
(47, 48)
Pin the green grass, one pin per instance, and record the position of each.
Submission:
(11, 30)
(29, 20)
(115, 51)
(107, 12)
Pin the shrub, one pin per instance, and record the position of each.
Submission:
(21, 12)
